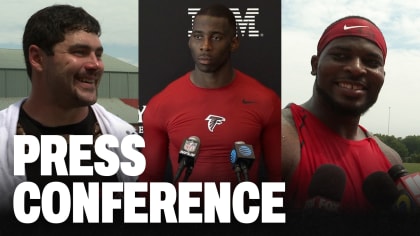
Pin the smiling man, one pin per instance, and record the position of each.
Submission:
(349, 73)
(62, 53)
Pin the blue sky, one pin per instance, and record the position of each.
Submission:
(118, 19)
(397, 111)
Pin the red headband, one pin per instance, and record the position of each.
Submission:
(353, 26)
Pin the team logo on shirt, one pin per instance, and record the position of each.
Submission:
(214, 120)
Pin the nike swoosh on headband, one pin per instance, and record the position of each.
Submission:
(353, 27)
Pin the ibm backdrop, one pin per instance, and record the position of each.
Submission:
(163, 41)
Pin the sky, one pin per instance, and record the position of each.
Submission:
(118, 19)
(397, 111)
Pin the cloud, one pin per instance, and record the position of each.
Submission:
(118, 19)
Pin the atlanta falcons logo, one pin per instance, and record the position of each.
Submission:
(214, 120)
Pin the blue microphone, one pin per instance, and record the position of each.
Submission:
(242, 156)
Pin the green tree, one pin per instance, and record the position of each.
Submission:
(412, 142)
(396, 143)
(414, 158)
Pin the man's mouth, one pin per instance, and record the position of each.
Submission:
(351, 86)
(89, 81)
(204, 58)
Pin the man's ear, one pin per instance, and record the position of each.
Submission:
(314, 64)
(234, 44)
(36, 56)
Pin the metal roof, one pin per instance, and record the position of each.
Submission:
(13, 59)
(113, 105)
(119, 108)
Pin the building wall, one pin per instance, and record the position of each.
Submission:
(15, 83)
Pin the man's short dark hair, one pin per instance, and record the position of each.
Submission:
(48, 26)
(218, 10)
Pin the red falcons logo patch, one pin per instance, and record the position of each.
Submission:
(214, 120)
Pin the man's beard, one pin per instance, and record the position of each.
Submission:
(344, 110)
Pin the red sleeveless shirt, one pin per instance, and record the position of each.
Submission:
(320, 145)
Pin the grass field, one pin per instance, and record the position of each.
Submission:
(412, 167)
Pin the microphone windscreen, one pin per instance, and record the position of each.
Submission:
(328, 181)
(190, 147)
(380, 190)
(397, 171)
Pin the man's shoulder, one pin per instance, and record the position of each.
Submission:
(174, 88)
(287, 111)
(253, 83)
(248, 78)
(102, 113)
(9, 113)
(390, 153)
(287, 118)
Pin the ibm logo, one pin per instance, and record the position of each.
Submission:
(246, 24)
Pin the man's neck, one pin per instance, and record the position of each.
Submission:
(217, 79)
(51, 115)
(344, 125)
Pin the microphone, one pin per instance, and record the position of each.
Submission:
(242, 156)
(187, 156)
(326, 189)
(380, 190)
(409, 187)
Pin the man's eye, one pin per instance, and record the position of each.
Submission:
(197, 37)
(339, 55)
(217, 37)
(373, 63)
(79, 52)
